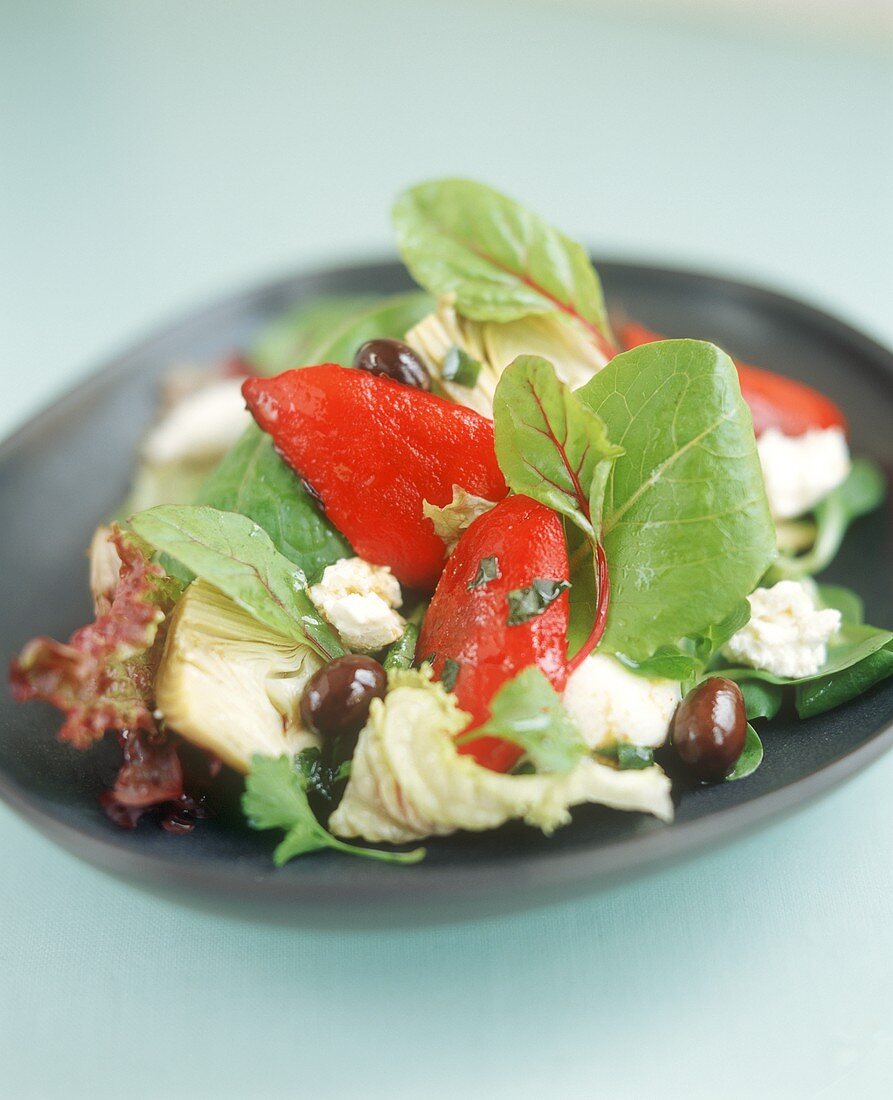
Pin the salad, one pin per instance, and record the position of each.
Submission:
(469, 555)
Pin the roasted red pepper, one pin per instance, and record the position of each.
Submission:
(520, 541)
(775, 401)
(374, 450)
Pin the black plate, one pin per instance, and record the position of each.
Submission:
(70, 466)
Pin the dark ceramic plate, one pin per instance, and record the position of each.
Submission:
(70, 466)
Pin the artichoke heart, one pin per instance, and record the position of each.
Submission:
(496, 344)
(230, 684)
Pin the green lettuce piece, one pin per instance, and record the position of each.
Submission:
(255, 482)
(494, 259)
(750, 759)
(290, 340)
(686, 525)
(236, 556)
(276, 798)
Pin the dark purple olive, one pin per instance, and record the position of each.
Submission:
(336, 700)
(394, 360)
(710, 727)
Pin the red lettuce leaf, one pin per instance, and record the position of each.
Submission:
(103, 677)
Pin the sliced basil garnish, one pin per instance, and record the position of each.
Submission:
(488, 570)
(526, 603)
(459, 367)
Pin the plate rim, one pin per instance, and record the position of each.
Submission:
(629, 855)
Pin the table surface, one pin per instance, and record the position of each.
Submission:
(158, 154)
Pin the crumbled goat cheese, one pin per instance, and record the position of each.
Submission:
(609, 703)
(201, 426)
(800, 470)
(787, 634)
(358, 599)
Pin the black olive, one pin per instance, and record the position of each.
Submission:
(394, 360)
(710, 727)
(336, 700)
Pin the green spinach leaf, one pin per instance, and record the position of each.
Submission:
(528, 711)
(390, 318)
(289, 341)
(237, 556)
(858, 658)
(761, 699)
(550, 445)
(826, 692)
(750, 759)
(255, 482)
(496, 260)
(276, 798)
(860, 493)
(686, 525)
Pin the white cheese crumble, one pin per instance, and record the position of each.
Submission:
(201, 426)
(787, 634)
(358, 600)
(609, 703)
(800, 470)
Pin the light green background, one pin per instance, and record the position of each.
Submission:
(154, 154)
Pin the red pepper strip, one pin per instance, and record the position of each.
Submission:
(469, 625)
(775, 401)
(374, 451)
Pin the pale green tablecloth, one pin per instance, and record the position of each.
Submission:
(155, 154)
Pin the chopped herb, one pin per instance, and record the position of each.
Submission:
(459, 367)
(526, 603)
(450, 673)
(488, 570)
(626, 756)
(528, 711)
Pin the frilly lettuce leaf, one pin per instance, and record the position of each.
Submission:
(103, 677)
(408, 781)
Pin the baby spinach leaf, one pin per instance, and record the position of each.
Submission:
(826, 692)
(237, 556)
(497, 261)
(528, 711)
(853, 643)
(861, 492)
(858, 658)
(255, 482)
(761, 699)
(750, 759)
(686, 526)
(288, 341)
(550, 445)
(526, 603)
(389, 318)
(276, 798)
(844, 600)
